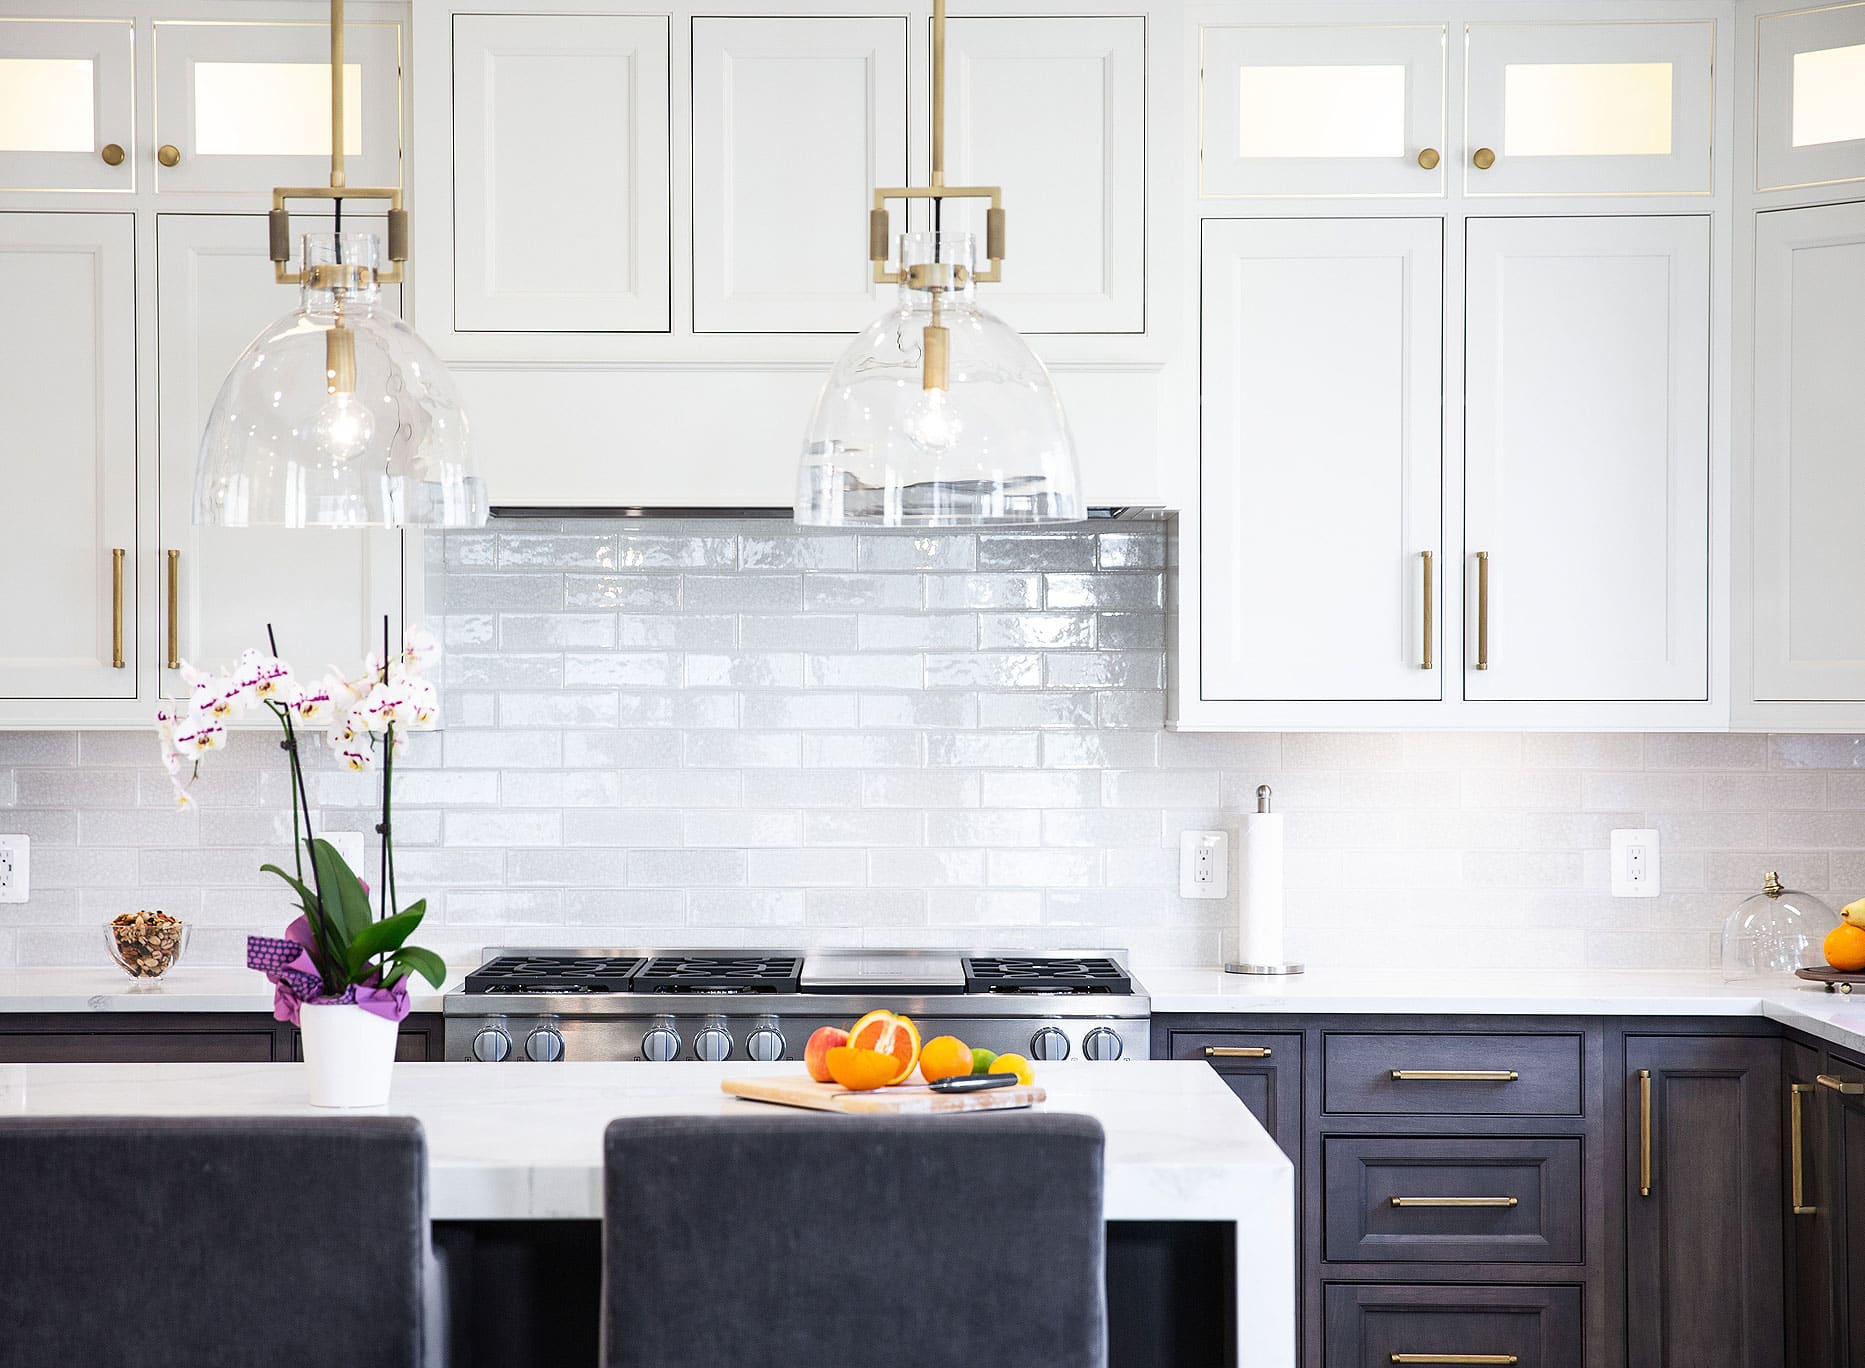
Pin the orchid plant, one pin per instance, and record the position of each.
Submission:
(353, 949)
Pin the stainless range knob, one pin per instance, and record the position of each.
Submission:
(1049, 1043)
(713, 1044)
(491, 1045)
(1102, 1043)
(765, 1044)
(544, 1045)
(661, 1043)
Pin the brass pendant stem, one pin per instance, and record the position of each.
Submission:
(336, 95)
(938, 94)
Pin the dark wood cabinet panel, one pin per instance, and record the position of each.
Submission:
(1263, 1068)
(1846, 1139)
(1399, 1073)
(1811, 1201)
(1704, 1266)
(139, 1045)
(418, 1042)
(1372, 1326)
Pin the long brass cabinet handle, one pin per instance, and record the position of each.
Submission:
(117, 554)
(1236, 1052)
(1454, 1075)
(1797, 1163)
(174, 610)
(1844, 1087)
(1455, 1358)
(1482, 610)
(1424, 662)
(1456, 1201)
(1644, 1132)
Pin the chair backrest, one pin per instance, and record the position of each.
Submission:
(170, 1242)
(792, 1240)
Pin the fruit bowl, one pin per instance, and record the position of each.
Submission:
(146, 945)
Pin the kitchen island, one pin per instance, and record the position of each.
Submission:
(515, 1164)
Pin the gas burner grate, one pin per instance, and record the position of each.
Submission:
(1045, 974)
(720, 974)
(555, 974)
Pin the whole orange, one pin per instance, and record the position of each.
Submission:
(944, 1057)
(1845, 948)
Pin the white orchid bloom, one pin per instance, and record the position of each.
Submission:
(420, 650)
(313, 705)
(266, 679)
(359, 759)
(421, 705)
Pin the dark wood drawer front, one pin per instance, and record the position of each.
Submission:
(137, 1047)
(1263, 1068)
(1452, 1075)
(1443, 1200)
(1377, 1327)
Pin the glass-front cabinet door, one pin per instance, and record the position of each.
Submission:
(1299, 110)
(67, 104)
(1588, 109)
(1810, 97)
(240, 106)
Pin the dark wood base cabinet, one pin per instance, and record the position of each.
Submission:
(1823, 1109)
(176, 1038)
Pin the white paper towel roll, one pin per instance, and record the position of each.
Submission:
(1259, 908)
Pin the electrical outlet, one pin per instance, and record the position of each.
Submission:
(1204, 864)
(14, 868)
(1635, 863)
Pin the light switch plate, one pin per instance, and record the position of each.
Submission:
(14, 868)
(1204, 864)
(1635, 863)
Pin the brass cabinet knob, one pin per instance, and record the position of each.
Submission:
(112, 154)
(1483, 159)
(1428, 158)
(168, 154)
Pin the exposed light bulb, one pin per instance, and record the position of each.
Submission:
(343, 427)
(932, 421)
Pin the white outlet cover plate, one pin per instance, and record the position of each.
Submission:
(1635, 863)
(14, 868)
(1204, 864)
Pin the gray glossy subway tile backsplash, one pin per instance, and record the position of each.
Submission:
(738, 732)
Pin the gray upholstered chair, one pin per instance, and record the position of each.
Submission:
(164, 1242)
(790, 1240)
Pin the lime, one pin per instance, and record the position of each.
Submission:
(982, 1060)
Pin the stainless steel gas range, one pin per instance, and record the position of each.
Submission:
(549, 1004)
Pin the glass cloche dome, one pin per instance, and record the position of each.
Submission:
(1775, 932)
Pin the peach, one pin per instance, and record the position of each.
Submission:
(816, 1053)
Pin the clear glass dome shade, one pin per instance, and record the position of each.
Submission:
(938, 414)
(338, 415)
(1775, 932)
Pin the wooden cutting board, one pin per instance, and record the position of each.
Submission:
(906, 1100)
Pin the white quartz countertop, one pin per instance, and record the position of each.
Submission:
(185, 988)
(1836, 1018)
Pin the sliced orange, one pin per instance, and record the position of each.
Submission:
(892, 1035)
(860, 1070)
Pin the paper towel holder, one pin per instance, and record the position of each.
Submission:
(1264, 797)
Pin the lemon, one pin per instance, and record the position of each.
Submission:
(1014, 1064)
(982, 1059)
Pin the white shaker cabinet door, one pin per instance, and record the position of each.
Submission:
(1810, 97)
(1809, 463)
(1053, 110)
(560, 134)
(324, 591)
(1587, 459)
(1320, 522)
(67, 94)
(68, 456)
(795, 122)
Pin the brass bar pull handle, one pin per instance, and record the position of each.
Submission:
(1455, 1358)
(1644, 1132)
(174, 610)
(1236, 1052)
(1454, 1075)
(1456, 1201)
(1482, 610)
(1424, 662)
(1797, 1165)
(117, 554)
(1840, 1085)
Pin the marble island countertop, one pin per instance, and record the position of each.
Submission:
(185, 988)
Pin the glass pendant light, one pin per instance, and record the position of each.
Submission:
(938, 414)
(338, 415)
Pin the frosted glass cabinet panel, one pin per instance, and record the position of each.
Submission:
(780, 242)
(1588, 109)
(1809, 479)
(1322, 547)
(246, 106)
(1810, 97)
(1294, 110)
(66, 96)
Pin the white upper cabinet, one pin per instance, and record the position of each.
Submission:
(1587, 459)
(68, 456)
(1054, 111)
(1321, 110)
(560, 188)
(1810, 97)
(1322, 483)
(323, 590)
(795, 122)
(67, 119)
(1808, 478)
(1589, 109)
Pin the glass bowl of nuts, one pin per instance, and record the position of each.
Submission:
(146, 944)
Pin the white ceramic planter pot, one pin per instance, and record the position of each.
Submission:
(350, 1054)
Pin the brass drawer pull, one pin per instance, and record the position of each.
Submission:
(1430, 615)
(1482, 610)
(117, 554)
(1840, 1085)
(1236, 1052)
(1456, 1201)
(174, 610)
(1454, 1075)
(1799, 1205)
(1644, 1132)
(1455, 1358)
